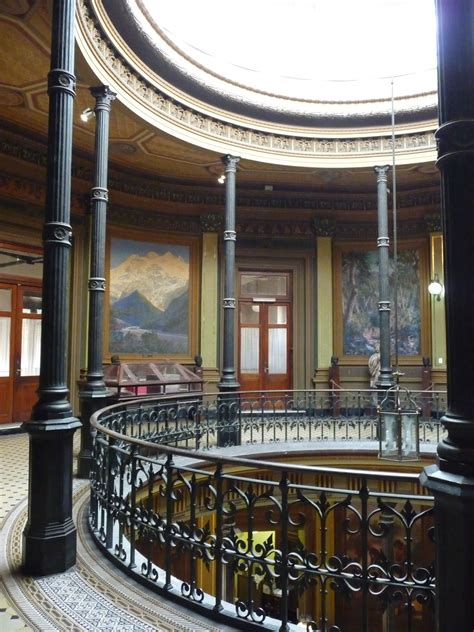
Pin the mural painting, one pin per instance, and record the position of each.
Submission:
(360, 295)
(148, 297)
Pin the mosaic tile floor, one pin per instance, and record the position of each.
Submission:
(93, 595)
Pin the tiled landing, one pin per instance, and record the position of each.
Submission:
(91, 596)
(13, 490)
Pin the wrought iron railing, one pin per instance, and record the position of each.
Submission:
(263, 544)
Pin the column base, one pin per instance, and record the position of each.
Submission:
(228, 432)
(91, 401)
(51, 551)
(50, 534)
(230, 386)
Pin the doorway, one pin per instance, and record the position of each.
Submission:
(265, 330)
(20, 349)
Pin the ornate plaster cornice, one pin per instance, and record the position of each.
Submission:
(166, 193)
(154, 221)
(174, 112)
(34, 194)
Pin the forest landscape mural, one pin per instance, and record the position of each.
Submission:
(148, 297)
(360, 295)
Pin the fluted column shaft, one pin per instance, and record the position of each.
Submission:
(99, 199)
(452, 479)
(93, 392)
(385, 379)
(228, 380)
(50, 536)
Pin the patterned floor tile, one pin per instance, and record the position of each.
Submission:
(92, 596)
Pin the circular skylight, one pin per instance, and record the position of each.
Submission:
(304, 50)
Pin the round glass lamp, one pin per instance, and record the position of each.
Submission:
(435, 288)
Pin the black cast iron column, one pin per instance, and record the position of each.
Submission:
(228, 382)
(385, 379)
(49, 539)
(93, 393)
(452, 479)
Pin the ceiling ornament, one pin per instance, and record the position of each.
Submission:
(195, 122)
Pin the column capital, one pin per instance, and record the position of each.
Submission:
(103, 96)
(382, 172)
(211, 223)
(230, 163)
(433, 223)
(324, 226)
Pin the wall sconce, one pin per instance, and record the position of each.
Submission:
(87, 115)
(435, 288)
(221, 179)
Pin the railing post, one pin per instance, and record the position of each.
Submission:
(219, 539)
(133, 503)
(94, 503)
(169, 519)
(109, 529)
(364, 497)
(284, 488)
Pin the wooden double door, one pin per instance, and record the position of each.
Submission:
(20, 349)
(265, 330)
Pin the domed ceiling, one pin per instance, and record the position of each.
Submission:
(168, 131)
(299, 57)
(294, 82)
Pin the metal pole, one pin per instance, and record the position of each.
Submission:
(93, 393)
(227, 433)
(395, 237)
(385, 379)
(228, 380)
(49, 539)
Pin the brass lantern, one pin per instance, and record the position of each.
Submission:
(398, 426)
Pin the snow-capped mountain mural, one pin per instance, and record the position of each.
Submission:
(149, 298)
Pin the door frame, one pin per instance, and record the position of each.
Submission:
(265, 303)
(302, 266)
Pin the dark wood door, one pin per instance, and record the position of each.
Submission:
(20, 345)
(265, 330)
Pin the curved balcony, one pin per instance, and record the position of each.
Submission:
(218, 502)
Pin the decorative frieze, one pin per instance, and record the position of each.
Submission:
(155, 221)
(169, 111)
(164, 193)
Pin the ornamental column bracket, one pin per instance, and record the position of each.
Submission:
(385, 379)
(228, 381)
